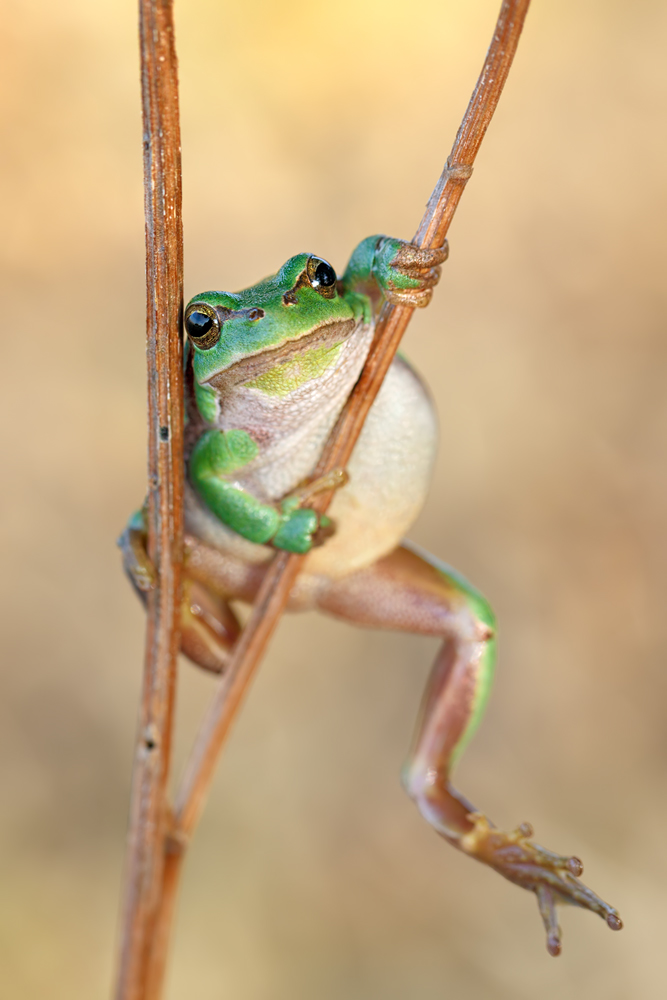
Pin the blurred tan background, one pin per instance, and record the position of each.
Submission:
(308, 127)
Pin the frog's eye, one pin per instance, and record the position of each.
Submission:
(202, 325)
(322, 276)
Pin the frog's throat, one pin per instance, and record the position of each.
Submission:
(254, 365)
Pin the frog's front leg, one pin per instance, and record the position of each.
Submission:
(209, 627)
(407, 592)
(217, 456)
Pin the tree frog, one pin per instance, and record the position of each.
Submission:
(268, 370)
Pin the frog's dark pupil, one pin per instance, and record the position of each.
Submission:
(198, 324)
(325, 274)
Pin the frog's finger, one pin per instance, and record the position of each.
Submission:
(325, 529)
(420, 279)
(410, 257)
(301, 530)
(411, 285)
(417, 298)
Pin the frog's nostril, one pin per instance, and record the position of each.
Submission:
(255, 314)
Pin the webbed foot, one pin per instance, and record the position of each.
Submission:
(554, 878)
(209, 627)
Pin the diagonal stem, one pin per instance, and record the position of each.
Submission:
(275, 590)
(282, 572)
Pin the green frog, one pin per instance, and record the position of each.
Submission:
(268, 370)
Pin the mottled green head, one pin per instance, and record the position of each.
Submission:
(236, 337)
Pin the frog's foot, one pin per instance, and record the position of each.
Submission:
(554, 878)
(418, 272)
(209, 627)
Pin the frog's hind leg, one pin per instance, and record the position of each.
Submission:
(209, 627)
(415, 593)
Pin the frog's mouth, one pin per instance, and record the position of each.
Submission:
(254, 365)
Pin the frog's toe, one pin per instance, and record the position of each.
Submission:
(418, 296)
(554, 878)
(143, 577)
(209, 627)
(136, 561)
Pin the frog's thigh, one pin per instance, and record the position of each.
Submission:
(227, 575)
(415, 593)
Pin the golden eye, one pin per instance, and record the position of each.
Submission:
(202, 325)
(322, 276)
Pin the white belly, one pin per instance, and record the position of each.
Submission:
(390, 472)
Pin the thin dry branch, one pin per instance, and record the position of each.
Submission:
(282, 572)
(275, 590)
(149, 819)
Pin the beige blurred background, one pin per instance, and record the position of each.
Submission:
(308, 127)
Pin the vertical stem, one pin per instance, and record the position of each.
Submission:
(149, 816)
(164, 919)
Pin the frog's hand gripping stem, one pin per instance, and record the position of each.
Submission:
(218, 454)
(403, 273)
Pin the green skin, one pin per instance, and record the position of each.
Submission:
(219, 454)
(278, 336)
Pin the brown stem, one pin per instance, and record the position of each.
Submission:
(282, 572)
(149, 819)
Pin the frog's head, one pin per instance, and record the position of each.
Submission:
(237, 337)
